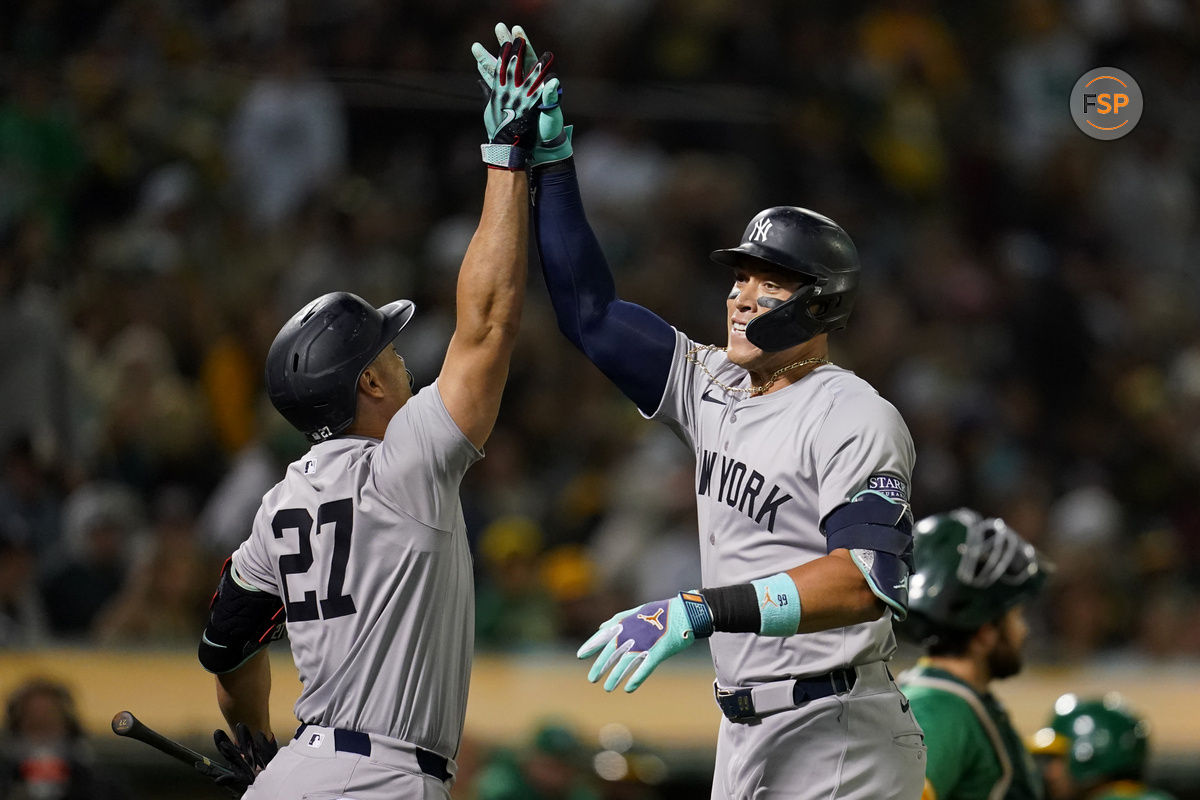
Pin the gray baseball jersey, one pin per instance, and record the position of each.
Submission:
(365, 542)
(768, 469)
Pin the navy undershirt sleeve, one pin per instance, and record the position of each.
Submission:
(631, 345)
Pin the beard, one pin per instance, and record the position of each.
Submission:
(1004, 660)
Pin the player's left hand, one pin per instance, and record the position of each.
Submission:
(248, 757)
(638, 639)
(553, 137)
(514, 85)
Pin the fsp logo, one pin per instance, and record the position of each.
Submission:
(761, 228)
(1106, 103)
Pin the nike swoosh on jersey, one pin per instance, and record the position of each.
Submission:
(204, 638)
(904, 705)
(710, 399)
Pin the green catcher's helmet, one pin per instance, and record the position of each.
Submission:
(1100, 738)
(967, 571)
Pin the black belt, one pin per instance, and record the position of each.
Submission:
(345, 741)
(751, 704)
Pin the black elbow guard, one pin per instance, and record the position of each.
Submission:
(877, 531)
(240, 623)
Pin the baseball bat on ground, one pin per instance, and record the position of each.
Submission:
(126, 724)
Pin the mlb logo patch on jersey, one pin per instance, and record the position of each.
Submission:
(310, 466)
(889, 486)
(315, 740)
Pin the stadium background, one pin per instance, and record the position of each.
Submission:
(177, 177)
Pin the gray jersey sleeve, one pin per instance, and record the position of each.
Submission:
(863, 443)
(422, 459)
(252, 565)
(678, 408)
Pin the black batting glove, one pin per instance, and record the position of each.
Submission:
(246, 759)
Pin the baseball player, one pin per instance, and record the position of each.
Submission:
(1094, 749)
(802, 475)
(361, 548)
(972, 575)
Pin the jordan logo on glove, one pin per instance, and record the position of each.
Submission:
(653, 619)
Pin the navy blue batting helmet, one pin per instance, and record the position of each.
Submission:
(316, 359)
(820, 252)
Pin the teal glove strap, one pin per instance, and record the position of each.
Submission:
(639, 640)
(778, 605)
(554, 139)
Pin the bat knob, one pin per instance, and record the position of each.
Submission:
(122, 723)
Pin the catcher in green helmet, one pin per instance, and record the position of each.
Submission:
(1094, 749)
(971, 578)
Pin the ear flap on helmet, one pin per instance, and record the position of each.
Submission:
(787, 325)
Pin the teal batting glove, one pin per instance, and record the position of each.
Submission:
(486, 63)
(554, 139)
(553, 142)
(513, 85)
(642, 638)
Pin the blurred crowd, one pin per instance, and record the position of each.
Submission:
(177, 177)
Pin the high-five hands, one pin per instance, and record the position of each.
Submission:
(550, 140)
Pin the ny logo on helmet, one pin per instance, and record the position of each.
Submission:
(761, 227)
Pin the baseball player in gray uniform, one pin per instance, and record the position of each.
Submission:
(802, 476)
(361, 547)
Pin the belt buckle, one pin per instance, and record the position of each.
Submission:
(736, 704)
(841, 676)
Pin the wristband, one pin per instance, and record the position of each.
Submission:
(778, 605)
(734, 609)
(698, 613)
(505, 156)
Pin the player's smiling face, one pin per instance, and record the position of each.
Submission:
(756, 290)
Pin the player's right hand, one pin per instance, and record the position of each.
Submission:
(638, 640)
(514, 84)
(248, 757)
(553, 140)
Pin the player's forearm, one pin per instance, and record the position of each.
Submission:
(829, 592)
(577, 274)
(631, 345)
(491, 282)
(244, 694)
(833, 593)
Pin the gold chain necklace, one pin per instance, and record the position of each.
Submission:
(752, 390)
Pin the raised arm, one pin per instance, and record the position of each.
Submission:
(630, 345)
(491, 281)
(491, 290)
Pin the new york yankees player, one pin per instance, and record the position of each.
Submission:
(802, 475)
(362, 545)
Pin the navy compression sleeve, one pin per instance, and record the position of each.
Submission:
(631, 345)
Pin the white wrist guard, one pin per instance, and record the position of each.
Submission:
(505, 156)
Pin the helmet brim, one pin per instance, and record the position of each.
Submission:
(732, 256)
(735, 256)
(395, 316)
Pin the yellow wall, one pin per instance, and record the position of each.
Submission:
(170, 692)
